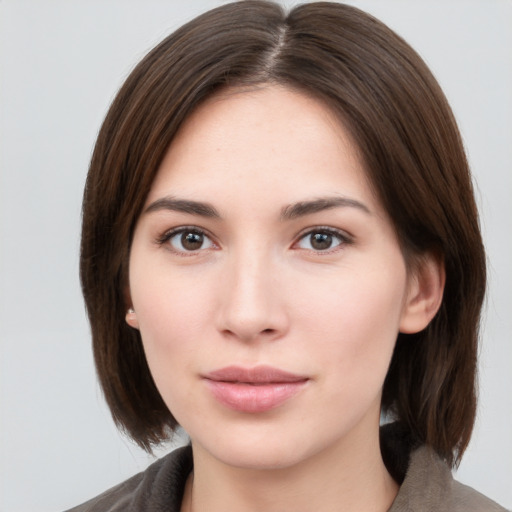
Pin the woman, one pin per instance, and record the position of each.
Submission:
(278, 233)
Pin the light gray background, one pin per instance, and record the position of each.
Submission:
(61, 63)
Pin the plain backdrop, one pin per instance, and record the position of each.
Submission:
(61, 63)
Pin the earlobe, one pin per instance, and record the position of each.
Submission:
(131, 318)
(425, 294)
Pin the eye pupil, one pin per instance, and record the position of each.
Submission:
(192, 241)
(321, 241)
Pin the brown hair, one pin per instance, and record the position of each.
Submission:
(409, 142)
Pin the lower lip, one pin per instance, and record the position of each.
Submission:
(254, 398)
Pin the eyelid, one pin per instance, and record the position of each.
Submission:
(345, 238)
(170, 233)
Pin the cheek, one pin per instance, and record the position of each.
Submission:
(173, 311)
(172, 330)
(173, 321)
(356, 322)
(167, 301)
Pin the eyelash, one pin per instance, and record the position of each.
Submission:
(169, 235)
(343, 239)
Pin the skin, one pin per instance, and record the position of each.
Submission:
(255, 289)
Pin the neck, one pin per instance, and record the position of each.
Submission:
(351, 477)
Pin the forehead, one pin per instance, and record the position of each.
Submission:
(262, 139)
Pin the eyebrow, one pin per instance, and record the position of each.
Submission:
(303, 208)
(289, 212)
(183, 205)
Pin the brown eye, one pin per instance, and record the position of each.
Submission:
(188, 240)
(192, 241)
(321, 240)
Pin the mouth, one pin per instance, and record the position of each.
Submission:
(253, 390)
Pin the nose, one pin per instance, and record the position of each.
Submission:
(252, 304)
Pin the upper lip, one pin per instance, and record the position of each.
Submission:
(257, 375)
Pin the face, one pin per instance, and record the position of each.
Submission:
(267, 282)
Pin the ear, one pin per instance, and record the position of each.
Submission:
(131, 318)
(425, 293)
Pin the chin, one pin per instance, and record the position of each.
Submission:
(266, 447)
(263, 456)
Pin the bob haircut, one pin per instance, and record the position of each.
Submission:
(408, 141)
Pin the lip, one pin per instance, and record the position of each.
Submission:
(253, 390)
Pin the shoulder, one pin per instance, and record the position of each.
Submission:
(429, 486)
(159, 487)
(469, 500)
